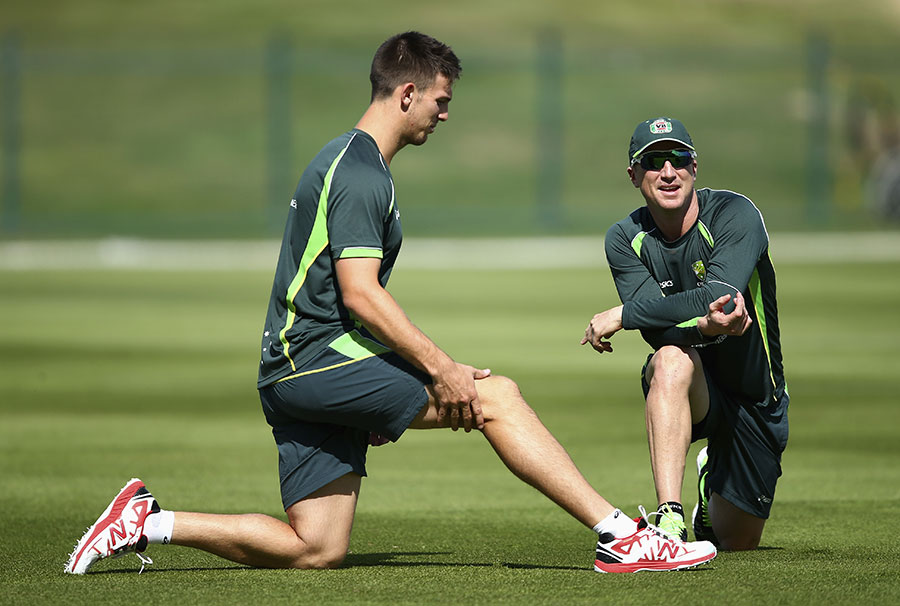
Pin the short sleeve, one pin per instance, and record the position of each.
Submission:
(358, 203)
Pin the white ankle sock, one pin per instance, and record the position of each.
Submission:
(617, 523)
(158, 527)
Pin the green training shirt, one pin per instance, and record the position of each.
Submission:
(667, 286)
(344, 207)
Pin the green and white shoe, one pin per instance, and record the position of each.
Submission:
(671, 523)
(703, 530)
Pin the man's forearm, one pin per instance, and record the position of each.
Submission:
(380, 313)
(674, 310)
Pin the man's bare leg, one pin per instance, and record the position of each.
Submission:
(317, 537)
(735, 529)
(678, 398)
(529, 450)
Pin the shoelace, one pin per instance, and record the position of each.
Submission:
(653, 527)
(145, 560)
(673, 520)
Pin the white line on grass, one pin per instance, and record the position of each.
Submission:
(418, 253)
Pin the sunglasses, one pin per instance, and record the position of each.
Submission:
(656, 160)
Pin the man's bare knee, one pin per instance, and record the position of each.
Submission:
(672, 363)
(321, 523)
(500, 397)
(673, 356)
(498, 390)
(735, 529)
(320, 559)
(501, 386)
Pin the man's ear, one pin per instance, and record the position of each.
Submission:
(633, 176)
(407, 91)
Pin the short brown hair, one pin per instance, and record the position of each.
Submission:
(411, 57)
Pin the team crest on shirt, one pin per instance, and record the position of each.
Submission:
(699, 270)
(661, 127)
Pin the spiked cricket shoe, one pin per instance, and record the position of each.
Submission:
(118, 530)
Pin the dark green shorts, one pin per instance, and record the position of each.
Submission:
(745, 440)
(322, 415)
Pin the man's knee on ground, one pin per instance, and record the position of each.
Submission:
(313, 558)
(735, 529)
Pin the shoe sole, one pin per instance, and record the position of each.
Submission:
(650, 566)
(106, 518)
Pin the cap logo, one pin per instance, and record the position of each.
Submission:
(661, 127)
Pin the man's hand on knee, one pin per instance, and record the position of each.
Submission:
(457, 399)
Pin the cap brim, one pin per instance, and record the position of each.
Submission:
(655, 141)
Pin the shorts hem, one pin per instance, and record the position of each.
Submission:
(289, 500)
(754, 509)
(700, 429)
(402, 424)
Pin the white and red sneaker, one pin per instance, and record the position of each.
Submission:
(119, 530)
(649, 548)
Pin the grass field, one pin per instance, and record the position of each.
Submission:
(105, 375)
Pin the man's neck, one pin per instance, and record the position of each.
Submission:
(675, 223)
(379, 127)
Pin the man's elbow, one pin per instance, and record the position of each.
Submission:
(353, 300)
(362, 302)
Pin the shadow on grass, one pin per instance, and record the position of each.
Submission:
(353, 560)
(390, 559)
(703, 568)
(154, 570)
(516, 566)
(750, 552)
(149, 570)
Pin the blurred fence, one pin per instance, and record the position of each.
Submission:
(209, 142)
